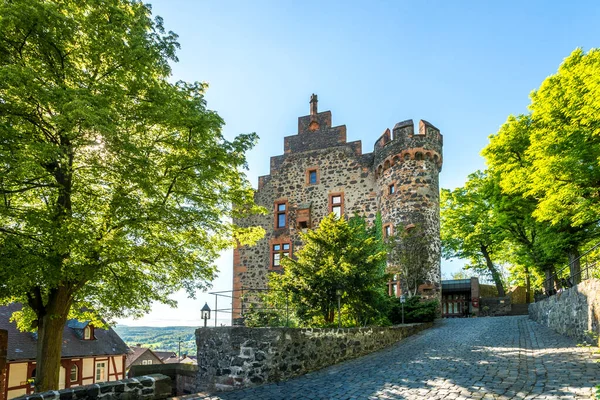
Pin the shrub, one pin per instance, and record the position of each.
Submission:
(415, 310)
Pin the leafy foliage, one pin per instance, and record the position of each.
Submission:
(550, 158)
(409, 257)
(116, 185)
(538, 203)
(415, 310)
(469, 229)
(558, 145)
(339, 256)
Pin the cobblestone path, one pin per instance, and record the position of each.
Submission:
(478, 358)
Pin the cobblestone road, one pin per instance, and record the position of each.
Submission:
(478, 358)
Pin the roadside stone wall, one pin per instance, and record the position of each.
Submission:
(151, 387)
(183, 376)
(573, 312)
(237, 357)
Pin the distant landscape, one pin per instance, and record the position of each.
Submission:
(160, 338)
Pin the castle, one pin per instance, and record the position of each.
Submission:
(320, 172)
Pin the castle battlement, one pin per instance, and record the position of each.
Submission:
(402, 144)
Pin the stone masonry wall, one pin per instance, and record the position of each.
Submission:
(572, 312)
(151, 387)
(237, 357)
(183, 376)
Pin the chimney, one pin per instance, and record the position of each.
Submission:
(313, 105)
(314, 124)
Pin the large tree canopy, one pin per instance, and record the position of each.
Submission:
(551, 157)
(553, 154)
(116, 185)
(469, 229)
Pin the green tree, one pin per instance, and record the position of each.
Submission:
(469, 229)
(409, 257)
(532, 246)
(342, 257)
(506, 221)
(463, 274)
(550, 157)
(565, 142)
(115, 184)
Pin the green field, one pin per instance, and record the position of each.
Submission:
(160, 338)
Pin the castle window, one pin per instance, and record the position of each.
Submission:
(387, 230)
(312, 176)
(336, 204)
(392, 189)
(303, 225)
(280, 215)
(278, 251)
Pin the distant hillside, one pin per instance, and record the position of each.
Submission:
(160, 338)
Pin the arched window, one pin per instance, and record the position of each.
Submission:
(87, 333)
(74, 377)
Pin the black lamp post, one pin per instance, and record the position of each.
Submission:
(205, 313)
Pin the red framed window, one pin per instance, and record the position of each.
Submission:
(281, 212)
(336, 204)
(278, 251)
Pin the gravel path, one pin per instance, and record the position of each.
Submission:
(477, 358)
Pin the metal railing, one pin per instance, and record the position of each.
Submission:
(578, 270)
(248, 301)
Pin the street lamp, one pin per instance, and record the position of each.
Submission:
(205, 313)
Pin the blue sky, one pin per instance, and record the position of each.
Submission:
(462, 65)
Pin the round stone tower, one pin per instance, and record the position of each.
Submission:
(407, 167)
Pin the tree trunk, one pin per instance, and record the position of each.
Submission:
(51, 322)
(574, 265)
(527, 285)
(549, 281)
(495, 274)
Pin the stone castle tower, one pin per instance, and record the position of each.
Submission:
(320, 172)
